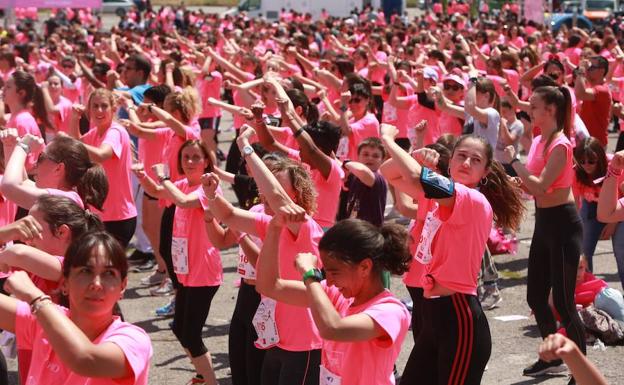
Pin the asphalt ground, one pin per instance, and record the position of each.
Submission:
(514, 343)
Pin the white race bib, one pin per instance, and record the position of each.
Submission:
(245, 268)
(329, 378)
(179, 254)
(430, 228)
(264, 323)
(343, 148)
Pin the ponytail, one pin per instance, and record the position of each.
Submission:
(59, 210)
(396, 257)
(88, 178)
(560, 98)
(504, 197)
(40, 112)
(354, 240)
(93, 186)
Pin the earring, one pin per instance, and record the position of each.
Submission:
(484, 181)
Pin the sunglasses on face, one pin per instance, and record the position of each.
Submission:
(355, 100)
(68, 66)
(42, 157)
(452, 87)
(587, 161)
(554, 75)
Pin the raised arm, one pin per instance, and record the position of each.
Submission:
(610, 209)
(33, 261)
(74, 348)
(15, 186)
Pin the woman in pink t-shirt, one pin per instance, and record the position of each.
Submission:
(63, 168)
(87, 345)
(196, 262)
(454, 343)
(108, 144)
(362, 324)
(19, 92)
(58, 106)
(557, 238)
(286, 332)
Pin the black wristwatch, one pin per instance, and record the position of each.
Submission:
(314, 274)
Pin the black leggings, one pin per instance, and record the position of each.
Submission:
(553, 262)
(454, 344)
(166, 236)
(4, 373)
(192, 305)
(245, 358)
(283, 367)
(122, 230)
(416, 293)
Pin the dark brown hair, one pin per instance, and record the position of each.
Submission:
(504, 197)
(89, 178)
(85, 246)
(354, 240)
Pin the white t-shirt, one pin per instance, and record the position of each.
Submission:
(516, 128)
(489, 132)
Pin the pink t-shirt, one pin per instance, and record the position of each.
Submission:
(210, 86)
(295, 325)
(151, 150)
(174, 143)
(119, 203)
(367, 362)
(25, 123)
(458, 242)
(61, 120)
(536, 161)
(203, 260)
(328, 194)
(419, 113)
(364, 128)
(413, 277)
(47, 368)
(67, 194)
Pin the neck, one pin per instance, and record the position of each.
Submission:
(193, 179)
(369, 291)
(548, 130)
(16, 109)
(359, 115)
(103, 128)
(92, 327)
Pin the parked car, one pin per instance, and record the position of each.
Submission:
(118, 7)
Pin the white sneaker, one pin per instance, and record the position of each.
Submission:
(166, 288)
(156, 278)
(491, 298)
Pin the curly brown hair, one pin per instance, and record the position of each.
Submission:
(305, 192)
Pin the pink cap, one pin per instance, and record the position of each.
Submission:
(455, 78)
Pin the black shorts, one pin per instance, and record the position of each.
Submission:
(209, 123)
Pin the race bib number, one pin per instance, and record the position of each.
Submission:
(179, 254)
(264, 323)
(245, 268)
(329, 378)
(343, 148)
(430, 228)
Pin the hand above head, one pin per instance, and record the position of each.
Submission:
(210, 183)
(427, 157)
(389, 131)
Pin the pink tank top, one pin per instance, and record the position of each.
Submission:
(537, 159)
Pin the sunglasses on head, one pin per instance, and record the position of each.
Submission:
(452, 87)
(43, 156)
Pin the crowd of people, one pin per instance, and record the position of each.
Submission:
(110, 144)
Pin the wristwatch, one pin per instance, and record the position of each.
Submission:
(247, 150)
(314, 274)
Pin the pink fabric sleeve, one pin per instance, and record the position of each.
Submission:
(25, 326)
(137, 348)
(113, 139)
(386, 316)
(462, 207)
(262, 224)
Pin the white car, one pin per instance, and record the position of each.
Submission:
(118, 7)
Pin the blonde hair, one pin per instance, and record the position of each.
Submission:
(101, 92)
(305, 193)
(186, 102)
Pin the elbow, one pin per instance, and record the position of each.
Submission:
(82, 363)
(329, 332)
